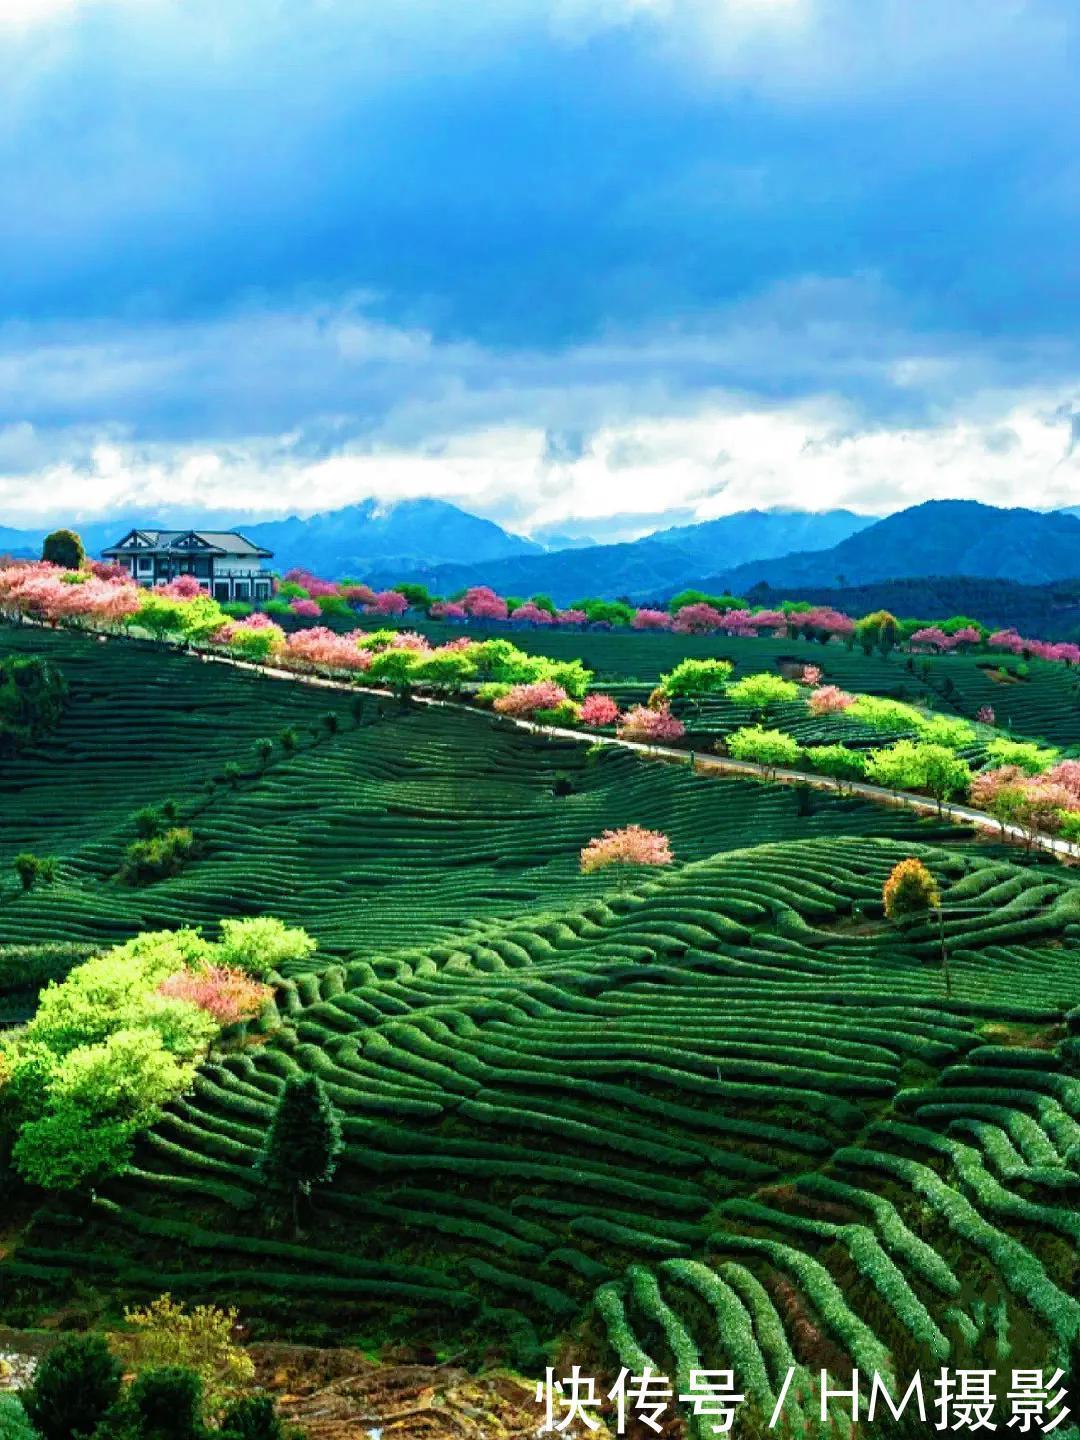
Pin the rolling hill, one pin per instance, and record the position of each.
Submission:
(939, 537)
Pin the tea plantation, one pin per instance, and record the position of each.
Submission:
(728, 1116)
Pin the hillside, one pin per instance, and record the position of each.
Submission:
(940, 537)
(653, 565)
(723, 1116)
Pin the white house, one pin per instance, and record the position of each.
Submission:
(226, 564)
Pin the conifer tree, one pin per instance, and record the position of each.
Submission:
(303, 1143)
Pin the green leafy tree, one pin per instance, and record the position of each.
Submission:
(288, 739)
(264, 749)
(395, 668)
(909, 890)
(418, 596)
(878, 630)
(445, 672)
(909, 765)
(261, 944)
(64, 548)
(691, 679)
(1025, 755)
(837, 761)
(763, 747)
(76, 1384)
(303, 1143)
(759, 692)
(34, 869)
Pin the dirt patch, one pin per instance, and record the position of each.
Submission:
(343, 1395)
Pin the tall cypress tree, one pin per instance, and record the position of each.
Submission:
(303, 1143)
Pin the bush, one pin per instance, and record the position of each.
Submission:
(155, 859)
(32, 868)
(168, 1335)
(64, 548)
(253, 1418)
(75, 1385)
(167, 1404)
(691, 678)
(261, 944)
(909, 890)
(14, 1423)
(761, 691)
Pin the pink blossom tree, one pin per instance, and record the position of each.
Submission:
(599, 710)
(829, 700)
(657, 726)
(388, 602)
(227, 994)
(651, 620)
(625, 848)
(522, 701)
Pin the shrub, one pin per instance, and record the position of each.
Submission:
(166, 1404)
(14, 1422)
(253, 1418)
(34, 869)
(761, 691)
(201, 1339)
(75, 1385)
(264, 749)
(159, 857)
(909, 890)
(260, 944)
(64, 548)
(691, 678)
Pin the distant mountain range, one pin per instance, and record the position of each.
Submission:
(939, 537)
(447, 548)
(737, 552)
(397, 538)
(650, 566)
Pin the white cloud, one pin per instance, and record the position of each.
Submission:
(725, 456)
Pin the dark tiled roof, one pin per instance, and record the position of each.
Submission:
(179, 542)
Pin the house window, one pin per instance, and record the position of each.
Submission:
(146, 565)
(262, 589)
(243, 590)
(221, 590)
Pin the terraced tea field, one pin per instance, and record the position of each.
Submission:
(726, 1116)
(1040, 700)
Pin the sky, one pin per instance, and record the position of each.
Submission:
(553, 260)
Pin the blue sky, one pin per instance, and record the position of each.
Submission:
(553, 259)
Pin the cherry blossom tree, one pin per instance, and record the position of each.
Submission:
(521, 701)
(651, 726)
(829, 700)
(388, 602)
(599, 710)
(651, 620)
(630, 846)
